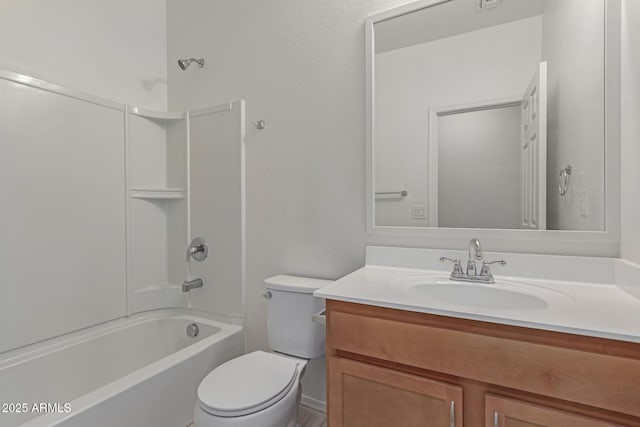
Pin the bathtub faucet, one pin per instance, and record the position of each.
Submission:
(192, 284)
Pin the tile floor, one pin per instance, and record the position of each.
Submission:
(312, 418)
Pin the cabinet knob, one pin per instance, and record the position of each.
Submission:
(496, 422)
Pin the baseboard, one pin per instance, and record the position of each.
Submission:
(310, 402)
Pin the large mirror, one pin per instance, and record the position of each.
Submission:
(490, 114)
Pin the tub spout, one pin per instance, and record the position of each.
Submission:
(192, 284)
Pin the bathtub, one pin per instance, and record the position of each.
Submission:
(142, 371)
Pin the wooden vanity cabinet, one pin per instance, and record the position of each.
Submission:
(370, 396)
(391, 367)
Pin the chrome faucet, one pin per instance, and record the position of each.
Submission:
(189, 285)
(475, 254)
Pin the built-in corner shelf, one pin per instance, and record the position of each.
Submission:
(162, 115)
(157, 193)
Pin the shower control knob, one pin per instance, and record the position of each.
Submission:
(198, 249)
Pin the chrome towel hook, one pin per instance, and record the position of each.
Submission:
(563, 180)
(260, 124)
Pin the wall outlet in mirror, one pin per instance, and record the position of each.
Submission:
(488, 4)
(418, 212)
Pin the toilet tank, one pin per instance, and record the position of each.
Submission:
(290, 309)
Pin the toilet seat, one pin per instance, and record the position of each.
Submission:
(247, 384)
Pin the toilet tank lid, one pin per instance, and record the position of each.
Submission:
(303, 285)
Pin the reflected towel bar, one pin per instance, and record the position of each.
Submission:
(403, 193)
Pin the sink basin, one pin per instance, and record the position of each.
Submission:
(481, 296)
(503, 295)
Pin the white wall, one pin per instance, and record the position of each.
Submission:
(489, 64)
(573, 46)
(630, 236)
(112, 48)
(300, 66)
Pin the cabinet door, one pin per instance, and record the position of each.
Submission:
(363, 395)
(501, 412)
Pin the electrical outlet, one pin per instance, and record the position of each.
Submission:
(418, 212)
(487, 4)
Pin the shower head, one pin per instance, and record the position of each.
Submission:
(184, 63)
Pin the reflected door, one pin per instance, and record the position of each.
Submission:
(533, 125)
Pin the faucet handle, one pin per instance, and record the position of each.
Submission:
(501, 262)
(486, 271)
(457, 265)
(198, 249)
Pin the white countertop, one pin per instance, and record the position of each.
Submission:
(606, 307)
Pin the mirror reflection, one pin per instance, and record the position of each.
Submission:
(490, 114)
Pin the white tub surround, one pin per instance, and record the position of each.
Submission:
(597, 297)
(140, 371)
(130, 186)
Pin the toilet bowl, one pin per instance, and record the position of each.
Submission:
(257, 389)
(262, 389)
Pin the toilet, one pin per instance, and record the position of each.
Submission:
(263, 388)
